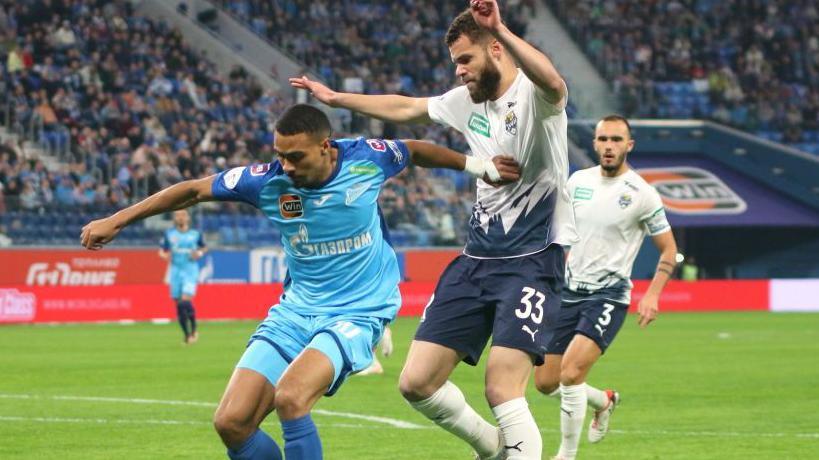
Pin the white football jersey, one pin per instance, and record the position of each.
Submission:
(523, 217)
(612, 216)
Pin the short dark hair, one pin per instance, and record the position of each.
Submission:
(303, 118)
(620, 118)
(464, 24)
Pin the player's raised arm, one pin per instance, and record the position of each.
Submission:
(500, 170)
(100, 232)
(534, 64)
(389, 107)
(649, 304)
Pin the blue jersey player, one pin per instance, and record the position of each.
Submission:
(183, 247)
(342, 286)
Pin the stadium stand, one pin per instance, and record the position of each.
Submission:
(127, 109)
(751, 65)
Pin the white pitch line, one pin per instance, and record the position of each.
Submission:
(370, 418)
(103, 421)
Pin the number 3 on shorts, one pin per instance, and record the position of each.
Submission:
(526, 310)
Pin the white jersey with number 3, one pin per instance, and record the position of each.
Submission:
(520, 218)
(612, 216)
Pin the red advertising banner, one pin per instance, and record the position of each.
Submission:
(708, 295)
(427, 265)
(80, 267)
(44, 304)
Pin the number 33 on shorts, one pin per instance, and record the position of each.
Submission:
(531, 308)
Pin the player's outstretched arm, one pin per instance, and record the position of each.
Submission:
(534, 64)
(98, 233)
(500, 170)
(649, 304)
(389, 107)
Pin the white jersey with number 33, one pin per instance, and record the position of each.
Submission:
(523, 217)
(612, 216)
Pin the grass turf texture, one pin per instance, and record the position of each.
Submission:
(734, 385)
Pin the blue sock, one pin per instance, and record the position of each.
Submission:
(259, 446)
(301, 439)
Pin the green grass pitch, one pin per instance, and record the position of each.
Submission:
(716, 385)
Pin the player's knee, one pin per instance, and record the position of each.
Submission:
(497, 393)
(546, 385)
(413, 388)
(233, 430)
(572, 373)
(291, 403)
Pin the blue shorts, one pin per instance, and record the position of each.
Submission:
(596, 318)
(183, 282)
(515, 300)
(348, 341)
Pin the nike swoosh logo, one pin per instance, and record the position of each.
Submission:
(355, 192)
(322, 199)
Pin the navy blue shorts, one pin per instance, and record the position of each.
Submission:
(597, 318)
(516, 301)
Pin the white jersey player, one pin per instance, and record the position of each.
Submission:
(507, 283)
(614, 210)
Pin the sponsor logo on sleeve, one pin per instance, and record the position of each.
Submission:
(583, 193)
(398, 156)
(377, 145)
(231, 178)
(290, 206)
(690, 190)
(479, 124)
(259, 169)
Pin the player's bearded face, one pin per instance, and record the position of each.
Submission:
(486, 85)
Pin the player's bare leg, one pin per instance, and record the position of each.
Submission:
(306, 380)
(578, 360)
(507, 375)
(248, 399)
(547, 376)
(424, 384)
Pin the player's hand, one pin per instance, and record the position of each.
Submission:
(647, 310)
(318, 90)
(386, 342)
(486, 14)
(507, 167)
(196, 254)
(98, 233)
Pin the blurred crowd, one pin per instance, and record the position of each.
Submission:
(757, 61)
(127, 108)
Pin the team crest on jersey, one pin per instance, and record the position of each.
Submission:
(377, 145)
(511, 123)
(290, 206)
(259, 169)
(625, 201)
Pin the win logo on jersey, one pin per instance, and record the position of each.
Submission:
(291, 206)
(479, 124)
(689, 190)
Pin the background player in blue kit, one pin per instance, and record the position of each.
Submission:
(183, 247)
(342, 285)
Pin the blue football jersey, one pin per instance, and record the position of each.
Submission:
(181, 245)
(336, 245)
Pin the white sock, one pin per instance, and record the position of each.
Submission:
(573, 406)
(598, 399)
(447, 407)
(520, 433)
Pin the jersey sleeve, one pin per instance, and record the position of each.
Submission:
(243, 183)
(543, 107)
(165, 243)
(565, 211)
(200, 242)
(654, 218)
(392, 156)
(450, 109)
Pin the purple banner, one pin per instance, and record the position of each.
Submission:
(698, 192)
